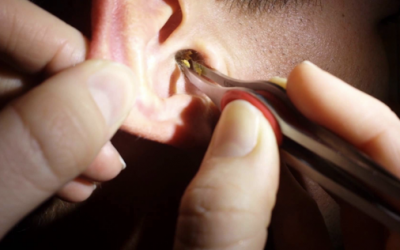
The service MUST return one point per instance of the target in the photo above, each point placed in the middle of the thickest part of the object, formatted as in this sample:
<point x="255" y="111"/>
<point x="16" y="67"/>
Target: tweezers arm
<point x="339" y="183"/>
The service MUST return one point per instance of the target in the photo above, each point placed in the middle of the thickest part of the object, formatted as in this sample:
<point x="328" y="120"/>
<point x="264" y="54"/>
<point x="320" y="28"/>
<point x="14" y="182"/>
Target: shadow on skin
<point x="137" y="210"/>
<point x="73" y="12"/>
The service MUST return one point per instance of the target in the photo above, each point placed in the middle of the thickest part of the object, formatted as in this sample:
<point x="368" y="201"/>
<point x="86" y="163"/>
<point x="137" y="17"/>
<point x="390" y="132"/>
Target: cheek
<point x="346" y="45"/>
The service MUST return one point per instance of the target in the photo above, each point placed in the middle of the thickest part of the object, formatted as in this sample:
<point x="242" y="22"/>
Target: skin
<point x="139" y="35"/>
<point x="359" y="58"/>
<point x="160" y="29"/>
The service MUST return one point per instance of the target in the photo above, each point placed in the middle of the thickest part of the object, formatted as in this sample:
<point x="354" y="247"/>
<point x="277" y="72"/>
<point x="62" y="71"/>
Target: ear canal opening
<point x="173" y="22"/>
<point x="189" y="55"/>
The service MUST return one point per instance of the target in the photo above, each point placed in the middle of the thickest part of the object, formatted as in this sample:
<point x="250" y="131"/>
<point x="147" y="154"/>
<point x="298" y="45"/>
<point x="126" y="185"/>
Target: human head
<point x="246" y="39"/>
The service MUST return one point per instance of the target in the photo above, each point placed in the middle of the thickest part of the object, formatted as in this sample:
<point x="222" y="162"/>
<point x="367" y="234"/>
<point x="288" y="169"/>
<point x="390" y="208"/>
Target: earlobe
<point x="146" y="35"/>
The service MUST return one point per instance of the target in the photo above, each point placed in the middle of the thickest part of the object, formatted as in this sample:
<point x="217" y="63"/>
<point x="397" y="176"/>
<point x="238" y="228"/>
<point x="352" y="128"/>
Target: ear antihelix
<point x="173" y="22"/>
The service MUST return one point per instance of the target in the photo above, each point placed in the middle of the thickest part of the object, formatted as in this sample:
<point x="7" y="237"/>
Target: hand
<point x="34" y="43"/>
<point x="52" y="133"/>
<point x="363" y="121"/>
<point x="228" y="205"/>
<point x="229" y="202"/>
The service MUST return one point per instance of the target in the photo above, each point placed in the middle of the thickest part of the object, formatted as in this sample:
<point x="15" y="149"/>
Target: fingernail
<point x="123" y="163"/>
<point x="112" y="89"/>
<point x="237" y="130"/>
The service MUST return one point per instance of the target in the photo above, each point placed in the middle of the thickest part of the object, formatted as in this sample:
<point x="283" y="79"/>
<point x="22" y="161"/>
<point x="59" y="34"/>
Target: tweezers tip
<point x="190" y="59"/>
<point x="183" y="58"/>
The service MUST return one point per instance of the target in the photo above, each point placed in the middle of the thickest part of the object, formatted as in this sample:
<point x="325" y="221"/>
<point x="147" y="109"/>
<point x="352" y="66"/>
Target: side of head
<point x="244" y="39"/>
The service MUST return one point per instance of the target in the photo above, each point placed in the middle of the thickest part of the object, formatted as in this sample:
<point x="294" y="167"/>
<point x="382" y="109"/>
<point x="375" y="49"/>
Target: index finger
<point x="360" y="119"/>
<point x="32" y="40"/>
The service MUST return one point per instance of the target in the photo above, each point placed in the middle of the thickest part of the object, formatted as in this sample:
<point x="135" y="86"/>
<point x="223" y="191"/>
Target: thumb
<point x="50" y="135"/>
<point x="229" y="202"/>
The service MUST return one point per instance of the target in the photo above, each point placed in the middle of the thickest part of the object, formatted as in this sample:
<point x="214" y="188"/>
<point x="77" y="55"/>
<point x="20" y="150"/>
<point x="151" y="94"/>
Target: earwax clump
<point x="198" y="68"/>
<point x="186" y="63"/>
<point x="185" y="57"/>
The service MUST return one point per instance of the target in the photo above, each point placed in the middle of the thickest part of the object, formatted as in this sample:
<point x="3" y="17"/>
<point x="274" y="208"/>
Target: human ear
<point x="146" y="35"/>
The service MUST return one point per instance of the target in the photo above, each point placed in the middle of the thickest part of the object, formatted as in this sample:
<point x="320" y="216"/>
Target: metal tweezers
<point x="337" y="166"/>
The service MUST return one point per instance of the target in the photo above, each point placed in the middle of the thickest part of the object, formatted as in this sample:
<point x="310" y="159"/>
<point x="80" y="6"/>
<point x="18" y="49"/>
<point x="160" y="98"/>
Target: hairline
<point x="263" y="6"/>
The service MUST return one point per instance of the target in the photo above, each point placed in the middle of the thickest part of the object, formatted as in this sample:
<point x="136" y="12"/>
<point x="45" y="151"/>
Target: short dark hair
<point x="257" y="6"/>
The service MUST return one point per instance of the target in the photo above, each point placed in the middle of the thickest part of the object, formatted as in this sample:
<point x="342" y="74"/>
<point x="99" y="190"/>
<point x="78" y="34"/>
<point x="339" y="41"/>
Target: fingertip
<point x="77" y="190"/>
<point x="111" y="86"/>
<point x="237" y="130"/>
<point x="314" y="91"/>
<point x="309" y="78"/>
<point x="106" y="166"/>
<point x="299" y="78"/>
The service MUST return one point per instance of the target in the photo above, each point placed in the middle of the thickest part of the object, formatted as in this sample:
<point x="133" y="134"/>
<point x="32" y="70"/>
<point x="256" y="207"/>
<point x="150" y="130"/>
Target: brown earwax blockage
<point x="198" y="68"/>
<point x="186" y="57"/>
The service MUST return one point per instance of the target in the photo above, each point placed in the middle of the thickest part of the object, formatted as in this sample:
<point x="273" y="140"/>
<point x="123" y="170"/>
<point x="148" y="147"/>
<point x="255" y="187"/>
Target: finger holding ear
<point x="54" y="132"/>
<point x="32" y="40"/>
<point x="229" y="202"/>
